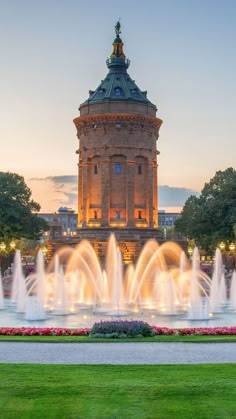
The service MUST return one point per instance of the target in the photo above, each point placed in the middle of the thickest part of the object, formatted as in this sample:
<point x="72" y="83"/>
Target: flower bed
<point x="108" y="327"/>
<point x="43" y="331"/>
<point x="203" y="331"/>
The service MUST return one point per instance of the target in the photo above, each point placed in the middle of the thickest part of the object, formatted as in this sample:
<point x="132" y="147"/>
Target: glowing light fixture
<point x="44" y="250"/>
<point x="3" y="247"/>
<point x="222" y="245"/>
<point x="232" y="247"/>
<point x="12" y="245"/>
<point x="190" y="251"/>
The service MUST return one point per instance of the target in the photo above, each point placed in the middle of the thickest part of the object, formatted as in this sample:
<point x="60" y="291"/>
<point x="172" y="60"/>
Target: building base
<point x="129" y="240"/>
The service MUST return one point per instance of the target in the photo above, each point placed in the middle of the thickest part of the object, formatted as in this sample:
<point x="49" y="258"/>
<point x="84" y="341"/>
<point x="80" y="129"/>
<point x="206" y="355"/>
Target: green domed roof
<point x="117" y="85"/>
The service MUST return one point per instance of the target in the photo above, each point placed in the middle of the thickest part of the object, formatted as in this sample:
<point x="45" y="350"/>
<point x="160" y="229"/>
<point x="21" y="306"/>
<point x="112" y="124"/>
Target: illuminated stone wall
<point x="117" y="170"/>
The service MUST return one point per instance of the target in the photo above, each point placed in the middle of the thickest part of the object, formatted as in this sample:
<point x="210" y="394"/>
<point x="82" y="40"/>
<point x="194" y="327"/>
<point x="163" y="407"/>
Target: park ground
<point x="109" y="391"/>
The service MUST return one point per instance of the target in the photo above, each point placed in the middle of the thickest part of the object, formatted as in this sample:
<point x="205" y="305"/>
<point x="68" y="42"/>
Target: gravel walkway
<point x="117" y="353"/>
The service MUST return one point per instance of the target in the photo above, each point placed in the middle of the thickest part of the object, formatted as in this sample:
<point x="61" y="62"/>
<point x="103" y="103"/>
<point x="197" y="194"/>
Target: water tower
<point x="117" y="160"/>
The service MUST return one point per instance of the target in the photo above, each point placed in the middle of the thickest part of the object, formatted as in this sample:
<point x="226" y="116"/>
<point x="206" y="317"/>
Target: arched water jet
<point x="117" y="289"/>
<point x="131" y="284"/>
<point x="146" y="253"/>
<point x="165" y="294"/>
<point x="35" y="299"/>
<point x="232" y="292"/>
<point x="61" y="257"/>
<point x="60" y="302"/>
<point x="1" y="293"/>
<point x="18" y="279"/>
<point x="165" y="285"/>
<point x="215" y="299"/>
<point x="198" y="305"/>
<point x="222" y="290"/>
<point x="157" y="261"/>
<point x="85" y="259"/>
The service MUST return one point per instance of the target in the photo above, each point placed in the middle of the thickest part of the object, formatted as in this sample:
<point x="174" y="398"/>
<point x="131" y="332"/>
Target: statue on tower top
<point x="118" y="44"/>
<point x="117" y="28"/>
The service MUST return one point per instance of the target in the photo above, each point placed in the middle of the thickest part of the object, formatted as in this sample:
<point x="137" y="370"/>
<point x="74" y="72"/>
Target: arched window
<point x="118" y="214"/>
<point x="140" y="215"/>
<point x="134" y="91"/>
<point x="118" y="168"/>
<point x="95" y="169"/>
<point x="139" y="169"/>
<point x="117" y="91"/>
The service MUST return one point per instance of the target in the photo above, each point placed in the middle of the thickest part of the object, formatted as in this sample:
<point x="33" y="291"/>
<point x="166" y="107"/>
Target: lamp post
<point x="45" y="252"/>
<point x="2" y="250"/>
<point x="190" y="252"/>
<point x="12" y="245"/>
<point x="3" y="247"/>
<point x="222" y="246"/>
<point x="232" y="247"/>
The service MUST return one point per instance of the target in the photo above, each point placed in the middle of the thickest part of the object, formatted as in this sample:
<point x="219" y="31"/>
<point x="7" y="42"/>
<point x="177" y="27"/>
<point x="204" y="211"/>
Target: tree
<point x="211" y="218"/>
<point x="18" y="212"/>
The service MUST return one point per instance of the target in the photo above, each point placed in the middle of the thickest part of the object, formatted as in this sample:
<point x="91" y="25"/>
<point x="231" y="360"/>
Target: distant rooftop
<point x="65" y="210"/>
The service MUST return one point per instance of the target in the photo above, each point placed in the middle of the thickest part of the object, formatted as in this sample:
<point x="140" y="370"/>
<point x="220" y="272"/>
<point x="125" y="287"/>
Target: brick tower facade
<point x="117" y="189"/>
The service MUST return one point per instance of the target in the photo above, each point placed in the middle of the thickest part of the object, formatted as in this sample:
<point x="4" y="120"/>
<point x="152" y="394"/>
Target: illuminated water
<point x="162" y="288"/>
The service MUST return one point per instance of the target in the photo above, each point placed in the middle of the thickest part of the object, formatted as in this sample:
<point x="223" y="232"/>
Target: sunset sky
<point x="54" y="51"/>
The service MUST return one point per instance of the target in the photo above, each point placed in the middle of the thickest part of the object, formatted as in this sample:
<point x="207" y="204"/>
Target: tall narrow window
<point x="117" y="214"/>
<point x="96" y="169"/>
<point x="118" y="168"/>
<point x="117" y="91"/>
<point x="140" y="215"/>
<point x="95" y="215"/>
<point x="139" y="169"/>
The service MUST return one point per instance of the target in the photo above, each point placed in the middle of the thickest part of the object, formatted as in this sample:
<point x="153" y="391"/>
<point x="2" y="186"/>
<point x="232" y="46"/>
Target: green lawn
<point x="106" y="391"/>
<point x="89" y="339"/>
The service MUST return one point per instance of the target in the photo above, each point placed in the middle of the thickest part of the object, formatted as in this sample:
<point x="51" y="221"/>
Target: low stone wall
<point x="130" y="241"/>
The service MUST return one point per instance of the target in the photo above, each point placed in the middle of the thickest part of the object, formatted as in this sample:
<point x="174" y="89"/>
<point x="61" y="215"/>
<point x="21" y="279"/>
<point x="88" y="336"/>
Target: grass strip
<point x="80" y="339"/>
<point x="107" y="391"/>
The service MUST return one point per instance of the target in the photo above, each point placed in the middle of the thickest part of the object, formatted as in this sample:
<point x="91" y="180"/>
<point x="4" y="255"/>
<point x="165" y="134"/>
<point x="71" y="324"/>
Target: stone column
<point x="80" y="191"/>
<point x="85" y="193"/>
<point x="149" y="193"/>
<point x="105" y="176"/>
<point x="130" y="175"/>
<point x="155" y="203"/>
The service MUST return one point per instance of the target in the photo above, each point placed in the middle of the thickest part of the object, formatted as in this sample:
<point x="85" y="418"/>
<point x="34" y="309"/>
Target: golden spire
<point x="118" y="44"/>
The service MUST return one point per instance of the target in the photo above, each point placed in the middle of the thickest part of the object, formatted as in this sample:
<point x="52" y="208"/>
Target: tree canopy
<point x="18" y="212"/>
<point x="211" y="217"/>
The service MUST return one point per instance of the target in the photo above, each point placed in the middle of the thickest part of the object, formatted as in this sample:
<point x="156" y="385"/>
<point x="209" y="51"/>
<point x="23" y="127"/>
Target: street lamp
<point x="222" y="246"/>
<point x="232" y="247"/>
<point x="45" y="252"/>
<point x="3" y="246"/>
<point x="190" y="251"/>
<point x="12" y="245"/>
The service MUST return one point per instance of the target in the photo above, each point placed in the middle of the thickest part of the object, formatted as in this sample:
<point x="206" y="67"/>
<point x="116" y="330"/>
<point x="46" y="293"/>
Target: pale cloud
<point x="53" y="192"/>
<point x="170" y="196"/>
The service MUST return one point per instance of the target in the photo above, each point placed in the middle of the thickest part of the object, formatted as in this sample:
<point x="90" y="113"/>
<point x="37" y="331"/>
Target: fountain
<point x="35" y="284"/>
<point x="1" y="293"/>
<point x="162" y="284"/>
<point x="18" y="293"/>
<point x="232" y="292"/>
<point x="198" y="305"/>
<point x="217" y="291"/>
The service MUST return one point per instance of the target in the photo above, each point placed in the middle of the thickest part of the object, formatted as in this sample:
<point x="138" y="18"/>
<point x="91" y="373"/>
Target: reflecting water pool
<point x="84" y="318"/>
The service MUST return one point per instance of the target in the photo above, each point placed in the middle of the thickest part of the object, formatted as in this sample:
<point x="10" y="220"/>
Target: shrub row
<point x="122" y="329"/>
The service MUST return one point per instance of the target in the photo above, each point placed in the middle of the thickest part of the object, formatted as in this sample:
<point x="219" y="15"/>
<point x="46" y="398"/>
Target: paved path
<point x="117" y="353"/>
